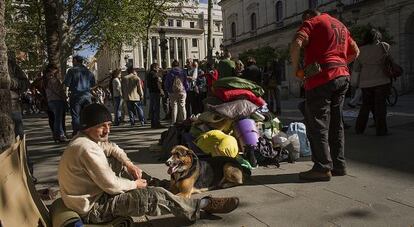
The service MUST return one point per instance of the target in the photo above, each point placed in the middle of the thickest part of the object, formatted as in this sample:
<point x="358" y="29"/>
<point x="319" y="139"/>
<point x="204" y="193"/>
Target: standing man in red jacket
<point x="328" y="48"/>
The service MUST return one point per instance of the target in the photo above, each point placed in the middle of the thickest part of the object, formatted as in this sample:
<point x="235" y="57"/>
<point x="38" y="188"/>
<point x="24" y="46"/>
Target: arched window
<point x="279" y="11"/>
<point x="313" y="4"/>
<point x="253" y="22"/>
<point x="233" y="30"/>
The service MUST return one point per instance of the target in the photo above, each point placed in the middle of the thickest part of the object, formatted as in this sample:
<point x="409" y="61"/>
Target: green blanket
<point x="237" y="82"/>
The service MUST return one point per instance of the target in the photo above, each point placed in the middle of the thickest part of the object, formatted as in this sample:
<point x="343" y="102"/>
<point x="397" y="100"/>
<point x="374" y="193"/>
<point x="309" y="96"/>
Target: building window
<point x="179" y="23"/>
<point x="170" y="23"/>
<point x="194" y="42"/>
<point x="192" y="24"/>
<point x="233" y="30"/>
<point x="217" y="27"/>
<point x="253" y="22"/>
<point x="214" y="43"/>
<point x="313" y="4"/>
<point x="162" y="23"/>
<point x="279" y="11"/>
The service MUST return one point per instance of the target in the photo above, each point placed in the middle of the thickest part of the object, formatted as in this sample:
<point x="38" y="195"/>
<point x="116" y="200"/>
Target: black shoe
<point x="338" y="172"/>
<point x="313" y="175"/>
<point x="158" y="126"/>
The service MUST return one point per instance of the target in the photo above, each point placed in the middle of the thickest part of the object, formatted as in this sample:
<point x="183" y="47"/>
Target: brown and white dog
<point x="191" y="175"/>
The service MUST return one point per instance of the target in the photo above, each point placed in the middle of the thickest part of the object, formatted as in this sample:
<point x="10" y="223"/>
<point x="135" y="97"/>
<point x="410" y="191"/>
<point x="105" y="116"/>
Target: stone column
<point x="159" y="59"/>
<point x="188" y="47"/>
<point x="200" y="56"/>
<point x="141" y="54"/>
<point x="185" y="56"/>
<point x="168" y="55"/>
<point x="175" y="48"/>
<point x="149" y="54"/>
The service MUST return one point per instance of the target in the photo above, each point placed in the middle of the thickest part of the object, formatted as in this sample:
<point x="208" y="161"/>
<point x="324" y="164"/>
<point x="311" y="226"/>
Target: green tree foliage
<point x="264" y="55"/>
<point x="81" y="22"/>
<point x="358" y="32"/>
<point x="26" y="32"/>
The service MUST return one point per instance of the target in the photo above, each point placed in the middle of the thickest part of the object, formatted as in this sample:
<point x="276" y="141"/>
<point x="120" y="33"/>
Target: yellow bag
<point x="217" y="143"/>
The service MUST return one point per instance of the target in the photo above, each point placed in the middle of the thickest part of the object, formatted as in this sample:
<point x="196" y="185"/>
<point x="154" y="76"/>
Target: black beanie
<point x="94" y="114"/>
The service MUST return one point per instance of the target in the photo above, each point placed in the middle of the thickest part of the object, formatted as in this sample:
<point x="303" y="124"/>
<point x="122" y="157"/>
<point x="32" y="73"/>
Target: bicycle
<point x="392" y="97"/>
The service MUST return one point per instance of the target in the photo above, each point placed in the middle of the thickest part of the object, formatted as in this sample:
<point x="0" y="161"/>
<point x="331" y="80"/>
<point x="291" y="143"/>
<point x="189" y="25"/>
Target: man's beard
<point x="103" y="138"/>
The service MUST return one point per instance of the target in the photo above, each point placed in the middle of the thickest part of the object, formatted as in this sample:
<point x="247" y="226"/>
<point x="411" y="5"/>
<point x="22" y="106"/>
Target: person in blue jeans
<point x="79" y="80"/>
<point x="133" y="94"/>
<point x="56" y="99"/>
<point x="155" y="90"/>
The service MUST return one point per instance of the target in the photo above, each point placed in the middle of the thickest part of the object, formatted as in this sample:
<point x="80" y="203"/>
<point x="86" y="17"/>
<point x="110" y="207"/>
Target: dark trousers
<point x="77" y="102"/>
<point x="374" y="100"/>
<point x="191" y="105"/>
<point x="154" y="108"/>
<point x="324" y="124"/>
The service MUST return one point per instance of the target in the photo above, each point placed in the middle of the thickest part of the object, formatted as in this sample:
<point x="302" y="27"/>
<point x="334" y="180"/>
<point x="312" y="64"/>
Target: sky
<point x="203" y="1"/>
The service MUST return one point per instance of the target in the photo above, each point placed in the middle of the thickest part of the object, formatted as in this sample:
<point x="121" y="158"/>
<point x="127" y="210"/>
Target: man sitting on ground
<point x="99" y="181"/>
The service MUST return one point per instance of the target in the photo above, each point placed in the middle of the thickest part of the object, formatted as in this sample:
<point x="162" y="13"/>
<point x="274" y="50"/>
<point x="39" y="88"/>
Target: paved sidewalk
<point x="379" y="190"/>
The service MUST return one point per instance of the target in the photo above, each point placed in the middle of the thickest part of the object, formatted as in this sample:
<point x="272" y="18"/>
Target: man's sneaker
<point x="221" y="205"/>
<point x="338" y="172"/>
<point x="313" y="175"/>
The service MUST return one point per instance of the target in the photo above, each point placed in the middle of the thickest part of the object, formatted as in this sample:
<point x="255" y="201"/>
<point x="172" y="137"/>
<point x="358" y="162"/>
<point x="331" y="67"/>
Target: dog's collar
<point x="190" y="171"/>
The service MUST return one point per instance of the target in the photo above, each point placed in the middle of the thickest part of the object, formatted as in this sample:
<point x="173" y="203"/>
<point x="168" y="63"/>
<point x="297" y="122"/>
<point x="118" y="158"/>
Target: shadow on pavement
<point x="274" y="179"/>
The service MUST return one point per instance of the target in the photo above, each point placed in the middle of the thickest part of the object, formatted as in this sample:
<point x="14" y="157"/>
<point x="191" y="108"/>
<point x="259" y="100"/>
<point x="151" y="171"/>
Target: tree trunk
<point x="6" y="124"/>
<point x="52" y="32"/>
<point x="209" y="32"/>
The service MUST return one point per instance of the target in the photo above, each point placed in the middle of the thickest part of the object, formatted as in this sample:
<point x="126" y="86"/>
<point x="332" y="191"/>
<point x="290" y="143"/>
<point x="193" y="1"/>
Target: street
<point x="378" y="190"/>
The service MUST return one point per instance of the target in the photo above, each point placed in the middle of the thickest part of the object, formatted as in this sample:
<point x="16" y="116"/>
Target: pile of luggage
<point x="236" y="123"/>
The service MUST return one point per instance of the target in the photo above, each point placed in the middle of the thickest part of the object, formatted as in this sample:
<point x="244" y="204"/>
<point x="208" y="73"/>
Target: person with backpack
<point x="177" y="87"/>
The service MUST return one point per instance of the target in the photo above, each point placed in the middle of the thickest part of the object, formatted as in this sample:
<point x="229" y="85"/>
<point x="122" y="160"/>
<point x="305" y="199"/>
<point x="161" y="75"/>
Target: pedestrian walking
<point x="56" y="100"/>
<point x="328" y="48"/>
<point x="79" y="81"/>
<point x="375" y="85"/>
<point x="155" y="89"/>
<point x="116" y="91"/>
<point x="177" y="87"/>
<point x="133" y="94"/>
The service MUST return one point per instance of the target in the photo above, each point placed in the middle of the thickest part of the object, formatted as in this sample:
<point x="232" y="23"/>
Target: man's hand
<point x="134" y="170"/>
<point x="141" y="183"/>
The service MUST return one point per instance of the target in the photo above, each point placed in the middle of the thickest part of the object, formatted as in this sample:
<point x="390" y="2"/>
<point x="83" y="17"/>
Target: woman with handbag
<point x="373" y="81"/>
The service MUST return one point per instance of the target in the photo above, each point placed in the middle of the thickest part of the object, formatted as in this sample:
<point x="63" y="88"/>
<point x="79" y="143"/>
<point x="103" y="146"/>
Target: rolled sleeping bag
<point x="246" y="132"/>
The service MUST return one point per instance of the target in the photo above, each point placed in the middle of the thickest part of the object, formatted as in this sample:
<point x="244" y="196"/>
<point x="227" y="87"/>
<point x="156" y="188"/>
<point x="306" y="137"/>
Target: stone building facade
<point x="186" y="34"/>
<point x="249" y="24"/>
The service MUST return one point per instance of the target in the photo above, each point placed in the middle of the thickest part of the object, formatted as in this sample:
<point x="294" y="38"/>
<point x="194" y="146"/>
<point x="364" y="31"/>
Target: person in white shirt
<point x="99" y="182"/>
